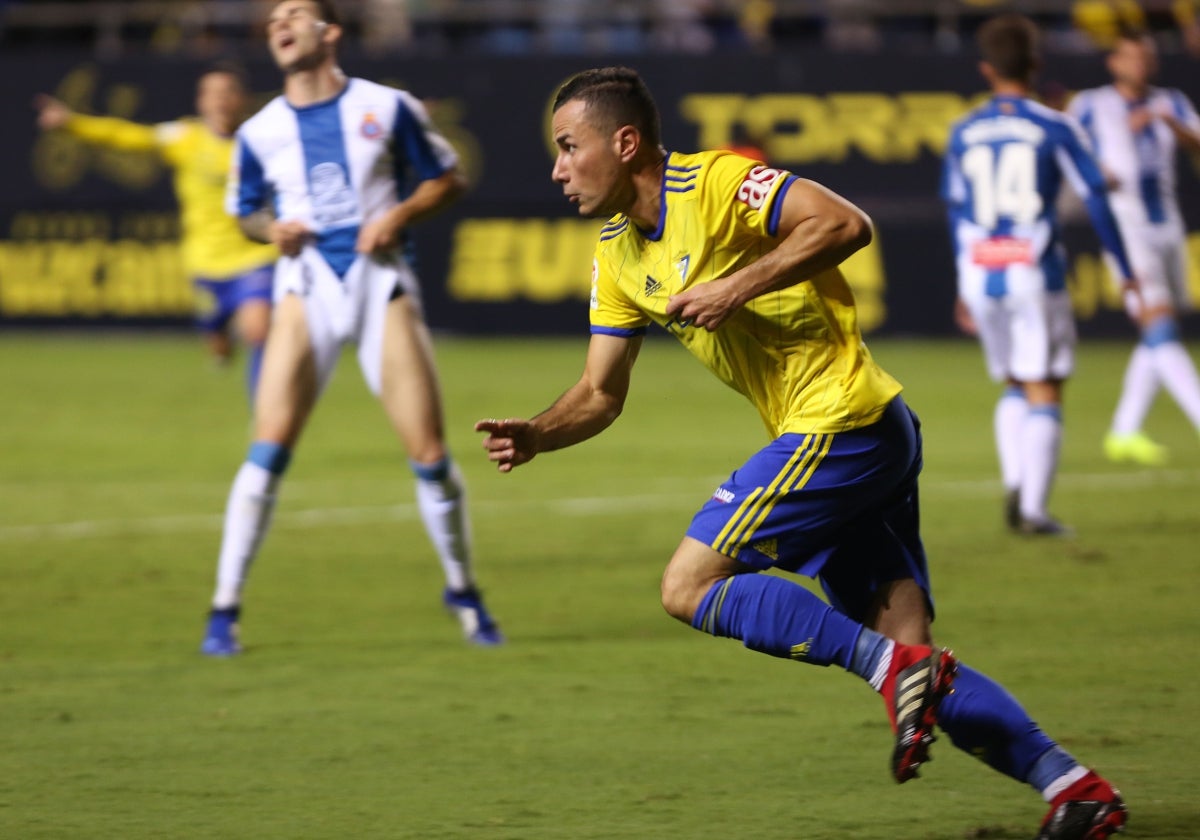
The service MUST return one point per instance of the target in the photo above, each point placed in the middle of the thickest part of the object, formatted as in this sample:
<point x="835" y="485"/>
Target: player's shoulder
<point x="267" y="113"/>
<point x="358" y="87"/>
<point x="1175" y="99"/>
<point x="1094" y="99"/>
<point x="178" y="131"/>
<point x="1058" y="126"/>
<point x="695" y="166"/>
<point x="615" y="228"/>
<point x="364" y="90"/>
<point x="701" y="172"/>
<point x="976" y="113"/>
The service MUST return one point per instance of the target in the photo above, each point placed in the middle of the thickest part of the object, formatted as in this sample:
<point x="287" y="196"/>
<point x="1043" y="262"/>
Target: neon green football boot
<point x="1134" y="448"/>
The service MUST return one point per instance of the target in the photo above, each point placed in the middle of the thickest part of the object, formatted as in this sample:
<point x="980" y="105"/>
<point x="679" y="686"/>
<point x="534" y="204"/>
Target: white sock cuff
<point x="881" y="670"/>
<point x="1063" y="782"/>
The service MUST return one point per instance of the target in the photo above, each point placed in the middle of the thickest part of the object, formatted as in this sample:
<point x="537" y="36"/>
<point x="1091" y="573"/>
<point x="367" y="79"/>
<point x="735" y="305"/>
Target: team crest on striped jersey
<point x="370" y="128"/>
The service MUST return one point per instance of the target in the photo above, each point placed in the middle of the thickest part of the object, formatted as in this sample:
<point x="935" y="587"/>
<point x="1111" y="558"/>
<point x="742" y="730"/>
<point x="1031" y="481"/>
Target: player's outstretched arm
<point x="586" y="409"/>
<point x="113" y="132"/>
<point x="818" y="228"/>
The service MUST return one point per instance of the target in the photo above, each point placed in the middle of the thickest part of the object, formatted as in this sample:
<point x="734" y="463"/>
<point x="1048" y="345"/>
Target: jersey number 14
<point x="1003" y="183"/>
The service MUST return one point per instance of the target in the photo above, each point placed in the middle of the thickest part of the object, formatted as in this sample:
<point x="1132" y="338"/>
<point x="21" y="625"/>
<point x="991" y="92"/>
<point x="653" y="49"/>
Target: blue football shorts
<point x="218" y="300"/>
<point x="842" y="508"/>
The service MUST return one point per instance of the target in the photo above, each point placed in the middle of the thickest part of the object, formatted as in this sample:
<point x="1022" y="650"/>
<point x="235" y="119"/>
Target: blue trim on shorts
<point x="619" y="332"/>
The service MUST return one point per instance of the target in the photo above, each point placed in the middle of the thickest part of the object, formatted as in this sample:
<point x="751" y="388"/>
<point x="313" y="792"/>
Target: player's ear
<point x="627" y="140"/>
<point x="331" y="33"/>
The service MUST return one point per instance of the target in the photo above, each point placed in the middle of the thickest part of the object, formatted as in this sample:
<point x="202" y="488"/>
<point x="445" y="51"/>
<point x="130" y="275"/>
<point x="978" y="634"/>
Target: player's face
<point x="1133" y="62"/>
<point x="220" y="101"/>
<point x="588" y="166"/>
<point x="297" y="36"/>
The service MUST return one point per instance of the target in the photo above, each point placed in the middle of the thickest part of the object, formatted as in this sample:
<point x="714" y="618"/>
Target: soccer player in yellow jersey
<point x="231" y="274"/>
<point x="739" y="261"/>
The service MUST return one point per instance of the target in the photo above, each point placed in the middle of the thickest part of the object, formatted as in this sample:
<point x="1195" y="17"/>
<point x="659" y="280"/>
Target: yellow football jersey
<point x="213" y="245"/>
<point x="797" y="353"/>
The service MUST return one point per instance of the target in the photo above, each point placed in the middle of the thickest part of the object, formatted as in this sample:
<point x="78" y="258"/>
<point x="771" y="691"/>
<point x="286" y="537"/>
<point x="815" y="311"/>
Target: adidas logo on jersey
<point x="769" y="547"/>
<point x="652" y="286"/>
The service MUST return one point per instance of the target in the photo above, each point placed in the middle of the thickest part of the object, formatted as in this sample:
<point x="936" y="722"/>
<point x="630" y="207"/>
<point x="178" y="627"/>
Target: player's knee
<point x="253" y="324"/>
<point x="255" y="335"/>
<point x="678" y="593"/>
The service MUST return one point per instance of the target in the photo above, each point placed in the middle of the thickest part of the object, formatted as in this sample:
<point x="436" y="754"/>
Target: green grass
<point x="358" y="712"/>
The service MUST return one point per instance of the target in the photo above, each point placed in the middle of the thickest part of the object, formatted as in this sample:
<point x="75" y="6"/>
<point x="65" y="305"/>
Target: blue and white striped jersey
<point x="1143" y="163"/>
<point x="1005" y="163"/>
<point x="337" y="164"/>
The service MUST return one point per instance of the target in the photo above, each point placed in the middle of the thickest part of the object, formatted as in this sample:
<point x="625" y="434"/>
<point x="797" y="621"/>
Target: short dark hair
<point x="1010" y="44"/>
<point x="329" y="11"/>
<point x="615" y="96"/>
<point x="327" y="8"/>
<point x="227" y="67"/>
<point x="1132" y="34"/>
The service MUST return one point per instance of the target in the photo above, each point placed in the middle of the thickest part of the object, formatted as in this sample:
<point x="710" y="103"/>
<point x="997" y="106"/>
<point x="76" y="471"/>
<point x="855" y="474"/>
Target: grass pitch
<point x="357" y="711"/>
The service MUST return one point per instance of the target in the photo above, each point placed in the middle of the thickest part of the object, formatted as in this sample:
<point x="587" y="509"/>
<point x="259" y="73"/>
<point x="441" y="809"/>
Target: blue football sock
<point x="868" y="653"/>
<point x="1052" y="766"/>
<point x="778" y="617"/>
<point x="983" y="719"/>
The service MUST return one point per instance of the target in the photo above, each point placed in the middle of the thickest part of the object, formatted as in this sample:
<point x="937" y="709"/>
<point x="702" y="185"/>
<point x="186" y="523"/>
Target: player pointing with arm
<point x="231" y="276"/>
<point x="739" y="262"/>
<point x="322" y="171"/>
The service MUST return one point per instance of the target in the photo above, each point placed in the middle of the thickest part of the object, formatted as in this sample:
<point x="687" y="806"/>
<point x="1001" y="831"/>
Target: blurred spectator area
<point x="199" y="27"/>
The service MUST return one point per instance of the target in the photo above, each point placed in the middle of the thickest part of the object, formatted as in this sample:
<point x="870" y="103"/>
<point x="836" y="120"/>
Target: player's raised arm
<point x="112" y="132"/>
<point x="819" y="230"/>
<point x="586" y="409"/>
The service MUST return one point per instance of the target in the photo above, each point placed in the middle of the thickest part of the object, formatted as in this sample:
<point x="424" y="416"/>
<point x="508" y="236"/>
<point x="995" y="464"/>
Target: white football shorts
<point x="1158" y="257"/>
<point x="346" y="310"/>
<point x="1028" y="334"/>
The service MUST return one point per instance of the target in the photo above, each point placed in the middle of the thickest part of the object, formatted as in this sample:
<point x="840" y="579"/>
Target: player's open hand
<point x="509" y="443"/>
<point x="706" y="306"/>
<point x="963" y="318"/>
<point x="52" y="113"/>
<point x="1139" y="118"/>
